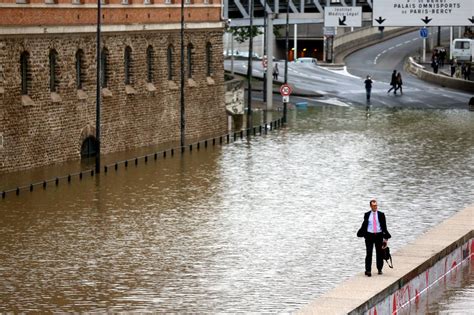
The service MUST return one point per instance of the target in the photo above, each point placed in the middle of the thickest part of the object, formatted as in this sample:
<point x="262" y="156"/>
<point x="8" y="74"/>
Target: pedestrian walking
<point x="435" y="65"/>
<point x="275" y="72"/>
<point x="393" y="82"/>
<point x="399" y="83"/>
<point x="453" y="68"/>
<point x="467" y="72"/>
<point x="374" y="230"/>
<point x="463" y="70"/>
<point x="368" y="86"/>
<point x="442" y="57"/>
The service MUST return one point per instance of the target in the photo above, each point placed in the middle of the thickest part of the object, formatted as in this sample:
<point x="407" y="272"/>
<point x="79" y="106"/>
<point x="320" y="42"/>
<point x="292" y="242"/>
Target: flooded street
<point x="259" y="225"/>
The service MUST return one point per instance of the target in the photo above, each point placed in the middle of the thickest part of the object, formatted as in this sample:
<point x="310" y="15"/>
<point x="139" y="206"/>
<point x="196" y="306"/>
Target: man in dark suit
<point x="374" y="230"/>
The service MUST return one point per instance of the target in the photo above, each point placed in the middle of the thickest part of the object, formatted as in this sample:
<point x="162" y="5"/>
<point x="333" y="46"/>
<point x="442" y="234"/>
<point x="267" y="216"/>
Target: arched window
<point x="25" y="72"/>
<point x="150" y="54"/>
<point x="53" y="70"/>
<point x="104" y="67"/>
<point x="190" y="60"/>
<point x="80" y="74"/>
<point x="128" y="64"/>
<point x="170" y="62"/>
<point x="209" y="59"/>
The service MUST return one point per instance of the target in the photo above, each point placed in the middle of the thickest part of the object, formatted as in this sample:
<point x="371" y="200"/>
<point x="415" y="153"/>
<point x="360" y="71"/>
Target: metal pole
<point x="249" y="69"/>
<point x="232" y="53"/>
<point x="450" y="43"/>
<point x="265" y="54"/>
<point x="182" y="76"/>
<point x="295" y="42"/>
<point x="285" y="105"/>
<point x="424" y="49"/>
<point x="98" y="90"/>
<point x="439" y="36"/>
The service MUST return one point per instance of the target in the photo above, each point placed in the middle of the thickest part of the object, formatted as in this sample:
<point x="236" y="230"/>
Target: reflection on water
<point x="256" y="226"/>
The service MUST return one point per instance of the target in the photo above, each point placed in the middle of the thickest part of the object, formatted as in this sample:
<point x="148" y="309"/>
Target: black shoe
<point x="368" y="274"/>
<point x="380" y="272"/>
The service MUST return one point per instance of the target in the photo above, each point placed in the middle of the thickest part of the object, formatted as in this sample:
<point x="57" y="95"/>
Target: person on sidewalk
<point x="399" y="83"/>
<point x="368" y="87"/>
<point x="467" y="72"/>
<point x="374" y="230"/>
<point x="393" y="82"/>
<point x="453" y="68"/>
<point x="276" y="72"/>
<point x="435" y="65"/>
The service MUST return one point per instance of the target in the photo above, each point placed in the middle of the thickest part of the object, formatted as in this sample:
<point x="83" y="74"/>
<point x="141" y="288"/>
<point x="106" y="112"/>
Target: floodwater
<point x="259" y="225"/>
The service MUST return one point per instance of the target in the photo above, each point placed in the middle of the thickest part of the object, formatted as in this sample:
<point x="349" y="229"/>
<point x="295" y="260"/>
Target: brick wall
<point x="52" y="130"/>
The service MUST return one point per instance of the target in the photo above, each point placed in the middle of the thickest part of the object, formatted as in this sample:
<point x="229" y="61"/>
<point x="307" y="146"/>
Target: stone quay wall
<point x="45" y="127"/>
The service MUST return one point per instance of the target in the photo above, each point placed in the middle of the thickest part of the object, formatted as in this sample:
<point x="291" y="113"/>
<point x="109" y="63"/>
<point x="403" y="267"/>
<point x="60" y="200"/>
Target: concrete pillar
<point x="270" y="62"/>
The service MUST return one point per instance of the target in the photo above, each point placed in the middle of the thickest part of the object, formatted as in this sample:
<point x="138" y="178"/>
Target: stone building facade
<point x="48" y="79"/>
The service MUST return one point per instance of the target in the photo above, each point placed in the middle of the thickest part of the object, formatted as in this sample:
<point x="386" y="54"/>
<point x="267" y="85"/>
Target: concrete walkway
<point x="360" y="292"/>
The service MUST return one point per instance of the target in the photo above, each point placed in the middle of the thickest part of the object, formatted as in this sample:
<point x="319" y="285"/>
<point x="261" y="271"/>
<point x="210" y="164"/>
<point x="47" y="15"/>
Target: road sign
<point x="343" y="16"/>
<point x="329" y="31"/>
<point x="264" y="62"/>
<point x="423" y="13"/>
<point x="286" y="99"/>
<point x="423" y="32"/>
<point x="285" y="90"/>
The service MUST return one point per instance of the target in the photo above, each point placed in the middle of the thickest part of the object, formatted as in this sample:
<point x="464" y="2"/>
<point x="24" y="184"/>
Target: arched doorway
<point x="88" y="148"/>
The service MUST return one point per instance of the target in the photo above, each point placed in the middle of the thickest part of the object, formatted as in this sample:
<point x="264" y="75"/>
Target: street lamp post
<point x="249" y="69"/>
<point x="285" y="105"/>
<point x="97" y="104"/>
<point x="182" y="121"/>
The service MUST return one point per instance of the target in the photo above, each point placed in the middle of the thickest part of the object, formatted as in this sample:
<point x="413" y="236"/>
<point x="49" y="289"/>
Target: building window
<point x="51" y="1"/>
<point x="170" y="60"/>
<point x="190" y="60"/>
<point x="80" y="73"/>
<point x="149" y="64"/>
<point x="128" y="64"/>
<point x="209" y="59"/>
<point x="104" y="67"/>
<point x="169" y="1"/>
<point x="53" y="70"/>
<point x="25" y="72"/>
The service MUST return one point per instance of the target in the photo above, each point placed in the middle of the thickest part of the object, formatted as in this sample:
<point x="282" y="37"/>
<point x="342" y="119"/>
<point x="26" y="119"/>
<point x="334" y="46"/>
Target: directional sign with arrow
<point x="426" y="20"/>
<point x="380" y="20"/>
<point x="341" y="22"/>
<point x="422" y="13"/>
<point x="343" y="16"/>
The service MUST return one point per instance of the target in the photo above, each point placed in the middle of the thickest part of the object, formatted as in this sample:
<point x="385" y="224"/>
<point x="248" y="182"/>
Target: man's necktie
<point x="374" y="222"/>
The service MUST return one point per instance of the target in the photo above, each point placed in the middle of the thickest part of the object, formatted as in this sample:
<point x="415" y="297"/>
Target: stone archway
<point x="88" y="142"/>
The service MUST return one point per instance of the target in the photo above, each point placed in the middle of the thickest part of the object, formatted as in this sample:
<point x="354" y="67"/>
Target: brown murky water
<point x="260" y="225"/>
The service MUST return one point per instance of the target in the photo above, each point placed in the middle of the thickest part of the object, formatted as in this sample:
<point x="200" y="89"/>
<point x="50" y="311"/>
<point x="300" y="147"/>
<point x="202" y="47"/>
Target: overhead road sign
<point x="423" y="13"/>
<point x="343" y="16"/>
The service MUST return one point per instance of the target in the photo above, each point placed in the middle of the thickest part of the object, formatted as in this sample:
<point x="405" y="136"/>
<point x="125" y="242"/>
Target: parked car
<point x="307" y="60"/>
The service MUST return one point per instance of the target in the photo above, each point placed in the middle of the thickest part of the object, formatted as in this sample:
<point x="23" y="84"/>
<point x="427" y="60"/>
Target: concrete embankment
<point x="438" y="78"/>
<point x="417" y="266"/>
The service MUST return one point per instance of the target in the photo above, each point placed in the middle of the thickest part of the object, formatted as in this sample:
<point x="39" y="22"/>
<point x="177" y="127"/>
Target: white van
<point x="463" y="49"/>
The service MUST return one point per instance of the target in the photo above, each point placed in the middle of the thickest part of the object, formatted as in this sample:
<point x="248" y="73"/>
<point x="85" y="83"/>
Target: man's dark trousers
<point x="370" y="240"/>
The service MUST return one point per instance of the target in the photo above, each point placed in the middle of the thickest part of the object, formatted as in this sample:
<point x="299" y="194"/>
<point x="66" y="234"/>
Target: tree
<point x="243" y="33"/>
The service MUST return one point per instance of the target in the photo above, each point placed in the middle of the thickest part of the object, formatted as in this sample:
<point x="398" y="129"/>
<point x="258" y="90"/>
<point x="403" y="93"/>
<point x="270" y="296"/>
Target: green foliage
<point x="241" y="34"/>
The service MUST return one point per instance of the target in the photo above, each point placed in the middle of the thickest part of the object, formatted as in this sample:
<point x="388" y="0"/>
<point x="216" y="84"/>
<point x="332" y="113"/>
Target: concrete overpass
<point x="301" y="12"/>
